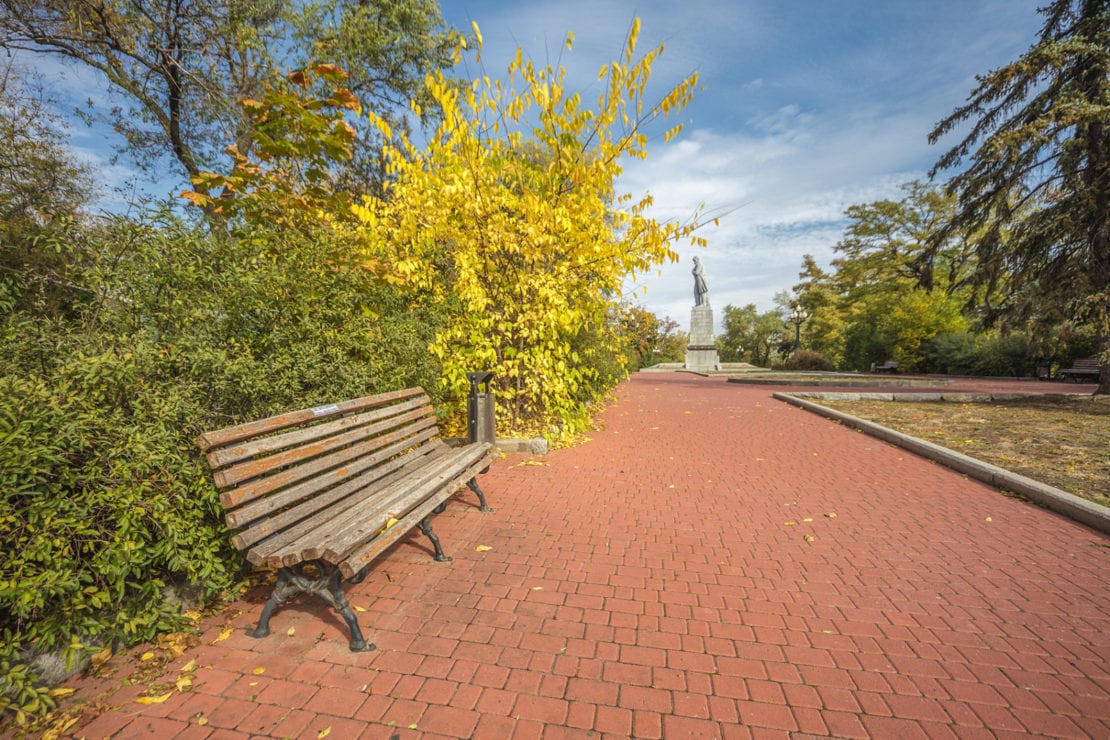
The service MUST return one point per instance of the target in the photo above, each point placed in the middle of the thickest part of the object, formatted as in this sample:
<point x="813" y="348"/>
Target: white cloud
<point x="808" y="107"/>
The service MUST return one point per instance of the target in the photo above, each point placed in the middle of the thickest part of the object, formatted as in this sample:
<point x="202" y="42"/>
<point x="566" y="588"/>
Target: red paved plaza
<point x="712" y="563"/>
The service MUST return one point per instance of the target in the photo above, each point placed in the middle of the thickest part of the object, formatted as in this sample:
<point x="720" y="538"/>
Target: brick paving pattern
<point x="712" y="563"/>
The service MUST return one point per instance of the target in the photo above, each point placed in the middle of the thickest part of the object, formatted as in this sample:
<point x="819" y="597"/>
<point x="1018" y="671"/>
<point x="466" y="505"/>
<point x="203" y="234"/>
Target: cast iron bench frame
<point x="890" y="366"/>
<point x="1081" y="368"/>
<point x="319" y="493"/>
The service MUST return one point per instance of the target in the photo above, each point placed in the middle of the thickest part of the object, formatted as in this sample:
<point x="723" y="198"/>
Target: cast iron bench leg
<point x="282" y="591"/>
<point x="358" y="577"/>
<point x="473" y="485"/>
<point x="339" y="602"/>
<point x="426" y="528"/>
<point x="295" y="580"/>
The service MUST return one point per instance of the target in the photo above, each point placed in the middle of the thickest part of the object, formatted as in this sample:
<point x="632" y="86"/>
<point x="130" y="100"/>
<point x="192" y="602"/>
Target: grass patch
<point x="1063" y="441"/>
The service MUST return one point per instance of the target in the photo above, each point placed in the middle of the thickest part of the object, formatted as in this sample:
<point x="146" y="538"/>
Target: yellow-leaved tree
<point x="511" y="213"/>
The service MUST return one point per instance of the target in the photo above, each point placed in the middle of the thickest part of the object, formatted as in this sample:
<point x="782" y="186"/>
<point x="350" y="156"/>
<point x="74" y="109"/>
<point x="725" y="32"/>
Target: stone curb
<point x="1062" y="502"/>
<point x="536" y="446"/>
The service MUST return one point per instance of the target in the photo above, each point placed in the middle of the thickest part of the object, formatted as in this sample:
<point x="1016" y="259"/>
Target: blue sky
<point x="808" y="106"/>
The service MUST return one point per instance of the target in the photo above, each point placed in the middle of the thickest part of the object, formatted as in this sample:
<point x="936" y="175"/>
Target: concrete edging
<point x="1062" y="502"/>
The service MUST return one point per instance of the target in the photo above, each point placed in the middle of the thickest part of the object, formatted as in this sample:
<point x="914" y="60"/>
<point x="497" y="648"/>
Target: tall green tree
<point x="180" y="67"/>
<point x="750" y="334"/>
<point x="894" y="240"/>
<point x="42" y="189"/>
<point x="650" y="339"/>
<point x="1040" y="141"/>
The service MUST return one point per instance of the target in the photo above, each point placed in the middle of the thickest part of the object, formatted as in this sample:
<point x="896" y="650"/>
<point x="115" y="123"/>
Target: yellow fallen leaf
<point x="790" y="524"/>
<point x="55" y="732"/>
<point x="224" y="634"/>
<point x="534" y="463"/>
<point x="359" y="608"/>
<point x="146" y="656"/>
<point x="483" y="548"/>
<point x="192" y="615"/>
<point x="989" y="519"/>
<point x="202" y="721"/>
<point x="154" y="699"/>
<point x="189" y="667"/>
<point x="810" y="538"/>
<point x="412" y="726"/>
<point x="831" y="515"/>
<point x="102" y="657"/>
<point x="808" y="519"/>
<point x="258" y="671"/>
<point x="537" y="588"/>
<point x="184" y="682"/>
<point x="323" y="733"/>
<point x="61" y="692"/>
<point x="291" y="631"/>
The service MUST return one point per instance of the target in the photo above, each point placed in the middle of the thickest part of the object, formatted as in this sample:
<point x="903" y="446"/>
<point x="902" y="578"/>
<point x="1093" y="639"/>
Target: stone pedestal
<point x="701" y="353"/>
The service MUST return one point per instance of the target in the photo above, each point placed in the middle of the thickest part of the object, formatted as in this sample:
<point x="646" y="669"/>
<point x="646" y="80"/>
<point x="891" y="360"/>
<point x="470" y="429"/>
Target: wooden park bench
<point x="318" y="494"/>
<point x="890" y="366"/>
<point x="1084" y="367"/>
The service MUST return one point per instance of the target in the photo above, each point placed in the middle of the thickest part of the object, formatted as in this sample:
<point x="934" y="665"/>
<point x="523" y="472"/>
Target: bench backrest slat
<point x="315" y="447"/>
<point x="363" y="471"/>
<point x="278" y="475"/>
<point x="256" y="487"/>
<point x="225" y="456"/>
<point x="251" y="429"/>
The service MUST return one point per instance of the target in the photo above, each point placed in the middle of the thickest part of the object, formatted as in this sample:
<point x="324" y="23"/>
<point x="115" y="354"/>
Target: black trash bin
<point x="480" y="409"/>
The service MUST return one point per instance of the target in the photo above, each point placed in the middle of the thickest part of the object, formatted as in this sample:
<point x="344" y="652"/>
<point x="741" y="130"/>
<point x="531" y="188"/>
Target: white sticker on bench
<point x="325" y="410"/>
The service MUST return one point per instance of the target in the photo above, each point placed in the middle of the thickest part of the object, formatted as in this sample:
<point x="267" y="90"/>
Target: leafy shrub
<point x="981" y="354"/>
<point x="952" y="354"/>
<point x="805" y="359"/>
<point x="104" y="498"/>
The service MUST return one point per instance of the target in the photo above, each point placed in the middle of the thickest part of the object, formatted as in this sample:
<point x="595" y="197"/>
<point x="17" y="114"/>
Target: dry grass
<point x="1063" y="441"/>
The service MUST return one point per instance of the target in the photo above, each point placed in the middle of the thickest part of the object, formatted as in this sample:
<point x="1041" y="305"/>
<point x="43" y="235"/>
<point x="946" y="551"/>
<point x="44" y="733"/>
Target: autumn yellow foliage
<point x="511" y="213"/>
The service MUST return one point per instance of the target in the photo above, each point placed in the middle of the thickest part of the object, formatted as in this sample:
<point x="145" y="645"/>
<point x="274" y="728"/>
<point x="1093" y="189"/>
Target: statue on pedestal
<point x="701" y="352"/>
<point x="701" y="289"/>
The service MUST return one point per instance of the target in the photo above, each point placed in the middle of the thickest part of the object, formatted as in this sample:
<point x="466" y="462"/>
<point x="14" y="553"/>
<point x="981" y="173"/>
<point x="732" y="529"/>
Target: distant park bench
<point x="1084" y="367"/>
<point x="890" y="366"/>
<point x="318" y="494"/>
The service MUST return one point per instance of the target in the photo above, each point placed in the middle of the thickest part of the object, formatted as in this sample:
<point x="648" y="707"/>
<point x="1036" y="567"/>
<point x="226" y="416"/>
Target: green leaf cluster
<point x="169" y="330"/>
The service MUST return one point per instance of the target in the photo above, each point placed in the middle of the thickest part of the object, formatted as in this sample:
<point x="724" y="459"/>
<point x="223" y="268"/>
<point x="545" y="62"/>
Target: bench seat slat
<point x="266" y="550"/>
<point x="233" y="434"/>
<point x="366" y="521"/>
<point x="359" y="516"/>
<point x="366" y="553"/>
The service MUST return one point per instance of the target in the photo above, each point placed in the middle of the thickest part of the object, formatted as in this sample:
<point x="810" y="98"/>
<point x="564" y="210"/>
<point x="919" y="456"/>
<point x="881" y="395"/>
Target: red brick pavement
<point x="713" y="563"/>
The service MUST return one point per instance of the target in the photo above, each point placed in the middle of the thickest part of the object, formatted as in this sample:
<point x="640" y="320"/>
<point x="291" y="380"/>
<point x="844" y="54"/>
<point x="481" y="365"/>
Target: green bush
<point x="169" y="331"/>
<point x="805" y="359"/>
<point x="988" y="354"/>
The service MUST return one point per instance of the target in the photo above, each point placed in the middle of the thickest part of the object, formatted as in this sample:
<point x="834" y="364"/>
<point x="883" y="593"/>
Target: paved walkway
<point x="713" y="563"/>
